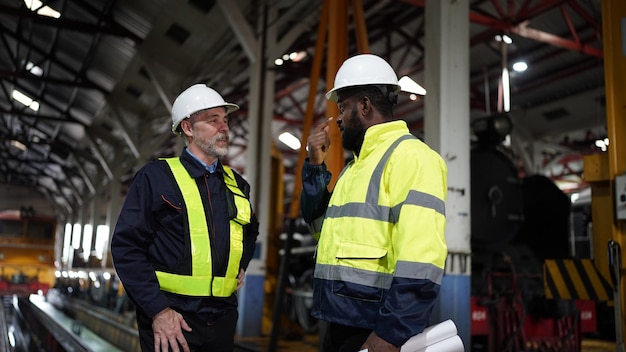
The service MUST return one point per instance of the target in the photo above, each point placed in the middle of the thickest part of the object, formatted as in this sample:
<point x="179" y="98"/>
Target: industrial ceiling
<point x="102" y="76"/>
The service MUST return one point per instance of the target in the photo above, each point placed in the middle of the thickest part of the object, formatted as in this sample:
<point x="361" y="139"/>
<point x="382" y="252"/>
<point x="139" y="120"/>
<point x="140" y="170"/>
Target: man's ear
<point x="185" y="127"/>
<point x="366" y="105"/>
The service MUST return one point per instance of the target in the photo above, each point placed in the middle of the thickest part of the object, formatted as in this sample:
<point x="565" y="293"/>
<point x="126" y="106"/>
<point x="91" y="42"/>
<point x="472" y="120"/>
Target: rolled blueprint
<point x="451" y="344"/>
<point x="440" y="337"/>
<point x="430" y="336"/>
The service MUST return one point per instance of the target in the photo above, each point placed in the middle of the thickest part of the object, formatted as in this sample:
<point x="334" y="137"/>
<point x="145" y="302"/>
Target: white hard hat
<point x="195" y="98"/>
<point x="361" y="70"/>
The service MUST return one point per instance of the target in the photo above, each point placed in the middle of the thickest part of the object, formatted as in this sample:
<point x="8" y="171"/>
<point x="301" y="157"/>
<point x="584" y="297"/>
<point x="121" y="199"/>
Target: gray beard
<point x="209" y="146"/>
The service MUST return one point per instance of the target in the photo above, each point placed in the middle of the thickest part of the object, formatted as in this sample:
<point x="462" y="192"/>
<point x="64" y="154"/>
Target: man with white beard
<point x="186" y="234"/>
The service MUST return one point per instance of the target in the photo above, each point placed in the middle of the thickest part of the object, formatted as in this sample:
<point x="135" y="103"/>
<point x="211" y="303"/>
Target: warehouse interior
<point x="87" y="91"/>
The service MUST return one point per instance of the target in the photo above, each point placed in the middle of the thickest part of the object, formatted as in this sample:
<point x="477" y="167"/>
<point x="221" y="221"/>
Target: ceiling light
<point x="290" y="140"/>
<point x="300" y="55"/>
<point x="36" y="5"/>
<point x="26" y="100"/>
<point x="602" y="144"/>
<point x="278" y="62"/>
<point x="503" y="38"/>
<point x="19" y="145"/>
<point x="34" y="69"/>
<point x="410" y="86"/>
<point x="520" y="66"/>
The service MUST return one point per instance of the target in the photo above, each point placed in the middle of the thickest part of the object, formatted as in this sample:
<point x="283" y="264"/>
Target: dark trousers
<point x="341" y="338"/>
<point x="219" y="336"/>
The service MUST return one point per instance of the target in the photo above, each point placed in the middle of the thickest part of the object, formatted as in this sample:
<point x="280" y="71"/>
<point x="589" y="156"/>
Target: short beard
<point x="209" y="146"/>
<point x="353" y="134"/>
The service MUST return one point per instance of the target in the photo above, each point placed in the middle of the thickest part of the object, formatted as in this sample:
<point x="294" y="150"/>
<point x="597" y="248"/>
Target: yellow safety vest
<point x="380" y="224"/>
<point x="201" y="282"/>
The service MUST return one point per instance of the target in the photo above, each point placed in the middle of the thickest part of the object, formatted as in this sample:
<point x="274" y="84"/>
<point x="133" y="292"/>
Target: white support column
<point x="260" y="100"/>
<point x="447" y="130"/>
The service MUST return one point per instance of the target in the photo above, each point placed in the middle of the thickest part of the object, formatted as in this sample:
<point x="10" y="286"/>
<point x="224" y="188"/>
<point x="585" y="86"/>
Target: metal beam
<point x="101" y="160"/>
<point x="103" y="27"/>
<point x="62" y="82"/>
<point x="147" y="63"/>
<point x="123" y="128"/>
<point x="83" y="174"/>
<point x="240" y="27"/>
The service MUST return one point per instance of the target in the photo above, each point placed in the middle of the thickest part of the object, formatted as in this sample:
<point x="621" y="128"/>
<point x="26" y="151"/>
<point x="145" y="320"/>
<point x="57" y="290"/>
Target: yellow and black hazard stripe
<point x="575" y="279"/>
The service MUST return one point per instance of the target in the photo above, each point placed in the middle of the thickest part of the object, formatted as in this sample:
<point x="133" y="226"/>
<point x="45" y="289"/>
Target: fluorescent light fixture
<point x="19" y="145"/>
<point x="520" y="66"/>
<point x="76" y="236"/>
<point x="506" y="91"/>
<point x="36" y="5"/>
<point x="34" y="69"/>
<point x="25" y="99"/>
<point x="410" y="86"/>
<point x="102" y="238"/>
<point x="290" y="140"/>
<point x="67" y="237"/>
<point x="87" y="235"/>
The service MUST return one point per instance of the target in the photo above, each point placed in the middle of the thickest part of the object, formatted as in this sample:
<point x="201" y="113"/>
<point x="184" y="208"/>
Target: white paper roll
<point x="440" y="337"/>
<point x="430" y="336"/>
<point x="451" y="344"/>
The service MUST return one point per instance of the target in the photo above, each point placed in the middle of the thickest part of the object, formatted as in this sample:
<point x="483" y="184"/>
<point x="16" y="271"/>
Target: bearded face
<point x="351" y="127"/>
<point x="216" y="145"/>
<point x="352" y="132"/>
<point x="208" y="131"/>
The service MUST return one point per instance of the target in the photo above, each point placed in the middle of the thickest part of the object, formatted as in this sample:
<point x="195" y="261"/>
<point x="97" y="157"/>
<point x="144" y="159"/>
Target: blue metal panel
<point x="251" y="297"/>
<point x="454" y="304"/>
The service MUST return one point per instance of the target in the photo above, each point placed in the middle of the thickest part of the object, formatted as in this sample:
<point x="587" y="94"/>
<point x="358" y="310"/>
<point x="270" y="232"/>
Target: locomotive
<point x="518" y="223"/>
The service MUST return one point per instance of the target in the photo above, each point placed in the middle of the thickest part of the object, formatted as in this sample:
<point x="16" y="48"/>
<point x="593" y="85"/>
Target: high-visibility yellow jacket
<point x="201" y="282"/>
<point x="381" y="251"/>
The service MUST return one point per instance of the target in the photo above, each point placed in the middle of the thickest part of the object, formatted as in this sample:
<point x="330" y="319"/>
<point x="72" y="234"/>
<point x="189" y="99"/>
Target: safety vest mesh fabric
<point x="354" y="240"/>
<point x="201" y="282"/>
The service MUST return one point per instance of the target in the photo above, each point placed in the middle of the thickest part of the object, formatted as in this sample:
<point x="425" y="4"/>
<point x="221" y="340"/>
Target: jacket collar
<point x="195" y="168"/>
<point x="376" y="135"/>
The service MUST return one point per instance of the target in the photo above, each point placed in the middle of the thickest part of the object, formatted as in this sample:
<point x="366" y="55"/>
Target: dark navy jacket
<point x="152" y="232"/>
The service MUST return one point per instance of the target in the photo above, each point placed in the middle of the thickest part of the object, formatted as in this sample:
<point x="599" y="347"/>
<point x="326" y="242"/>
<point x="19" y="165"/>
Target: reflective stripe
<point x="372" y="210"/>
<point x="404" y="269"/>
<point x="225" y="286"/>
<point x="373" y="190"/>
<point x="201" y="281"/>
<point x="420" y="271"/>
<point x="360" y="210"/>
<point x="420" y="199"/>
<point x="353" y="275"/>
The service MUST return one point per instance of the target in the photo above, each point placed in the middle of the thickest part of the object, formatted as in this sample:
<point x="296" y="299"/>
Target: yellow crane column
<point x="602" y="170"/>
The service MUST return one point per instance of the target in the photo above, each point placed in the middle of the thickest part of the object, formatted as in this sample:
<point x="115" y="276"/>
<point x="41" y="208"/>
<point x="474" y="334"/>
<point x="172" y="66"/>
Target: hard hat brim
<point x="230" y="108"/>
